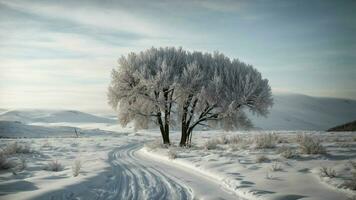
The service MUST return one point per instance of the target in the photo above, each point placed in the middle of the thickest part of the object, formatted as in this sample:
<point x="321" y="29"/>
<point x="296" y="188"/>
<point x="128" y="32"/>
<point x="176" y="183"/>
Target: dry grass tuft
<point x="310" y="145"/>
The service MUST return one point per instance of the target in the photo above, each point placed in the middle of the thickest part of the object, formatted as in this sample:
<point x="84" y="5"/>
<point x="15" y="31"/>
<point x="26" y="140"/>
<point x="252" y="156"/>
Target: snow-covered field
<point x="270" y="165"/>
<point x="109" y="162"/>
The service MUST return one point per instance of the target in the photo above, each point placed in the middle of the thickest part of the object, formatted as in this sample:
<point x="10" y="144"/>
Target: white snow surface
<point x="236" y="167"/>
<point x="120" y="163"/>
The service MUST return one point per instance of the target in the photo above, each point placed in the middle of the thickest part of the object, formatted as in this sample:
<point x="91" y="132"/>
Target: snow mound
<point x="301" y="112"/>
<point x="50" y="116"/>
<point x="15" y="129"/>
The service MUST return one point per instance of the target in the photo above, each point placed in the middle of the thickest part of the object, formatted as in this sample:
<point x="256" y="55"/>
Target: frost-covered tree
<point x="143" y="86"/>
<point x="200" y="87"/>
<point x="218" y="89"/>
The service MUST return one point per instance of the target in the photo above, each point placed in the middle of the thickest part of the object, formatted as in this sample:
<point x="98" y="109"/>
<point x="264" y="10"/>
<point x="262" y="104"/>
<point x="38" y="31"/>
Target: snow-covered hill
<point x="51" y="116"/>
<point x="15" y="129"/>
<point x="290" y="112"/>
<point x="301" y="112"/>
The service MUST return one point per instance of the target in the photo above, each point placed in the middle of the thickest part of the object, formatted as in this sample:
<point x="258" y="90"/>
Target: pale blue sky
<point x="58" y="54"/>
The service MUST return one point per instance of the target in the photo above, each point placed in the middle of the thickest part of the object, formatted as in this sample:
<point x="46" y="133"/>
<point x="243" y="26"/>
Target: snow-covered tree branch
<point x="202" y="87"/>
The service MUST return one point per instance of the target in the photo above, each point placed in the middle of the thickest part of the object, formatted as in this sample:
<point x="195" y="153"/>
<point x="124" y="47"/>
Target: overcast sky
<point x="59" y="54"/>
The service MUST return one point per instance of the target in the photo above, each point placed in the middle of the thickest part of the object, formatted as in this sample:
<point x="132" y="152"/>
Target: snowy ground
<point x="265" y="173"/>
<point x="111" y="169"/>
<point x="121" y="163"/>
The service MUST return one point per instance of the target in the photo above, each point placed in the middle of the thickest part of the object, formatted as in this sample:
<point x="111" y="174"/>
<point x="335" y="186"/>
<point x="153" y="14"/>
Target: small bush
<point x="54" y="166"/>
<point x="310" y="145"/>
<point x="77" y="165"/>
<point x="222" y="140"/>
<point x="265" y="141"/>
<point x="15" y="147"/>
<point x="155" y="145"/>
<point x="276" y="167"/>
<point x="262" y="159"/>
<point x="4" y="162"/>
<point x="172" y="154"/>
<point x="327" y="172"/>
<point x="287" y="152"/>
<point x="235" y="139"/>
<point x="211" y="144"/>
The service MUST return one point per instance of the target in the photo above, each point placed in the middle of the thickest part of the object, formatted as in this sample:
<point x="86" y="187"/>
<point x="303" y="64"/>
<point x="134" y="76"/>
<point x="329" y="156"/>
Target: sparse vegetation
<point x="287" y="152"/>
<point x="77" y="165"/>
<point x="211" y="144"/>
<point x="54" y="166"/>
<point x="233" y="142"/>
<point x="310" y="145"/>
<point x="4" y="162"/>
<point x="327" y="172"/>
<point x="223" y="140"/>
<point x="262" y="159"/>
<point x="276" y="167"/>
<point x="154" y="145"/>
<point x="172" y="154"/>
<point x="16" y="148"/>
<point x="265" y="141"/>
<point x="235" y="139"/>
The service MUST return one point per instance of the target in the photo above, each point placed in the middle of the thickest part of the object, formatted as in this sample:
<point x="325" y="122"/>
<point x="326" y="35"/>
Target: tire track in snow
<point x="132" y="179"/>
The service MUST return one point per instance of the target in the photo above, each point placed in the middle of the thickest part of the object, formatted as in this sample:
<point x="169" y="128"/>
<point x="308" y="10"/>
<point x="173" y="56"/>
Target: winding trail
<point x="137" y="177"/>
<point x="134" y="179"/>
<point x="133" y="176"/>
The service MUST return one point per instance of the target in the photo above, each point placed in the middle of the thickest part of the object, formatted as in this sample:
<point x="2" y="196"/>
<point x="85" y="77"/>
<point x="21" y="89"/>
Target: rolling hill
<point x="52" y="116"/>
<point x="301" y="112"/>
<point x="15" y="129"/>
<point x="351" y="126"/>
<point x="290" y="112"/>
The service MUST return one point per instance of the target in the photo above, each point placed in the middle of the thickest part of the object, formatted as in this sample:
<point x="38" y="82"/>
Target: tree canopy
<point x="162" y="84"/>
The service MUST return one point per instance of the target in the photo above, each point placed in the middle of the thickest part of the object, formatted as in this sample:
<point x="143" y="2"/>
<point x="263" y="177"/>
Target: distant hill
<point x="290" y="112"/>
<point x="52" y="116"/>
<point x="13" y="129"/>
<point x="351" y="126"/>
<point x="301" y="112"/>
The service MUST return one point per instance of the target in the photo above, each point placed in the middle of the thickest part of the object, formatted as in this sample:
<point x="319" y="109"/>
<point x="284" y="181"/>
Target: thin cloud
<point x="112" y="19"/>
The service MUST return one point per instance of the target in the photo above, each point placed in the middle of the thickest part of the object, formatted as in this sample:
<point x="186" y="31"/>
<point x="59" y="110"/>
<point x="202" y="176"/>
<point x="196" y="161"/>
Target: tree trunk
<point x="166" y="114"/>
<point x="184" y="136"/>
<point x="161" y="128"/>
<point x="185" y="126"/>
<point x="190" y="135"/>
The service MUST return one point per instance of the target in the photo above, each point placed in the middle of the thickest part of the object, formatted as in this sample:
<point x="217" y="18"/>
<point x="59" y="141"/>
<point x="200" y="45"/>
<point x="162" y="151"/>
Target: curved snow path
<point x="135" y="176"/>
<point x="134" y="179"/>
<point x="138" y="177"/>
